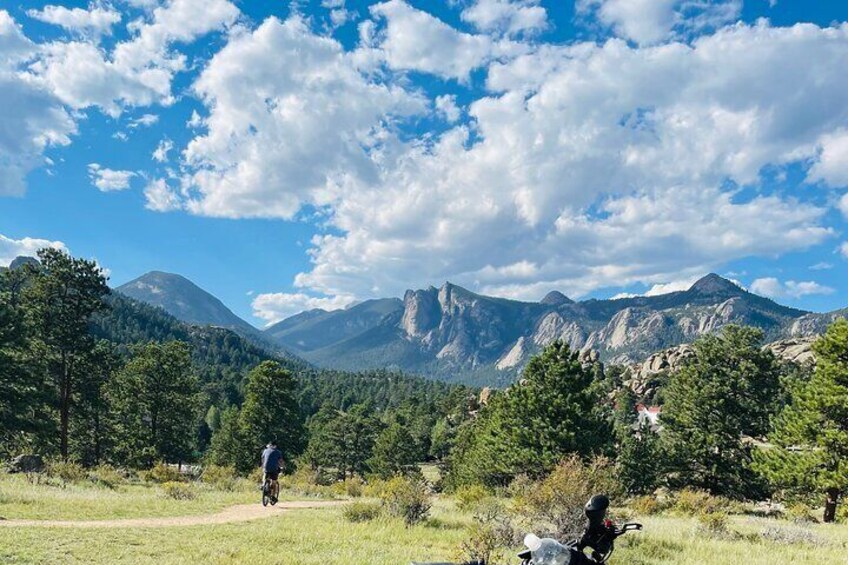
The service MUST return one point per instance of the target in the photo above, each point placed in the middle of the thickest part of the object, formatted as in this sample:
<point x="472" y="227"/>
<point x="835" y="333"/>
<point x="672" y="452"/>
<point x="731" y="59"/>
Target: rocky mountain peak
<point x="712" y="284"/>
<point x="556" y="298"/>
<point x="21" y="260"/>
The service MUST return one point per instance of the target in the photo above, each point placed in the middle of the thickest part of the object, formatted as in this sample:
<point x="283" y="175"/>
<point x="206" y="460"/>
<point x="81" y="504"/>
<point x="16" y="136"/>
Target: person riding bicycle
<point x="272" y="464"/>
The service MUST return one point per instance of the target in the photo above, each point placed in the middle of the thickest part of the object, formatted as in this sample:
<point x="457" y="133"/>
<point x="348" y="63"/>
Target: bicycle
<point x="270" y="491"/>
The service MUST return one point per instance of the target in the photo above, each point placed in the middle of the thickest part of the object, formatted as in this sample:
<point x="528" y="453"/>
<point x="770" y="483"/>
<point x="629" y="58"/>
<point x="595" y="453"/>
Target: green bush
<point x="556" y="502"/>
<point x="178" y="491"/>
<point x="105" y="475"/>
<point x="66" y="471"/>
<point x="220" y="477"/>
<point x="489" y="535"/>
<point x="407" y="498"/>
<point x="693" y="502"/>
<point x="374" y="488"/>
<point x="362" y="511"/>
<point x="713" y="523"/>
<point x="354" y="487"/>
<point x="646" y="505"/>
<point x="468" y="497"/>
<point x="800" y="513"/>
<point x="162" y="473"/>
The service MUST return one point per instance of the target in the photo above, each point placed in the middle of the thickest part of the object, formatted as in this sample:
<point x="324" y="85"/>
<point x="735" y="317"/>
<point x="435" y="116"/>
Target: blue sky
<point x="311" y="154"/>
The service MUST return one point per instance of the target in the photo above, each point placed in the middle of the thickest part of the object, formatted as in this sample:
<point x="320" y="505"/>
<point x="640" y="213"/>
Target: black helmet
<point x="596" y="508"/>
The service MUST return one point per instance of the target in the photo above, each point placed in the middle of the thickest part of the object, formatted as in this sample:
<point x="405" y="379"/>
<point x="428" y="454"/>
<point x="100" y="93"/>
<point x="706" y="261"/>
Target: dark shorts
<point x="273" y="475"/>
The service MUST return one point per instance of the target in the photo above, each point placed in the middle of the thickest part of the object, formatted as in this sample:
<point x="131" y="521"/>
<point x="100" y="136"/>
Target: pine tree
<point x="271" y="412"/>
<point x="395" y="452"/>
<point x="639" y="457"/>
<point x="810" y="437"/>
<point x="229" y="448"/>
<point x="555" y="410"/>
<point x="156" y="401"/>
<point x="60" y="300"/>
<point x="728" y="391"/>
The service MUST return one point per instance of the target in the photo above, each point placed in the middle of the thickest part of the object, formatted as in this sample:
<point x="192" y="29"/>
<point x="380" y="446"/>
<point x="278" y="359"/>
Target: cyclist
<point x="272" y="464"/>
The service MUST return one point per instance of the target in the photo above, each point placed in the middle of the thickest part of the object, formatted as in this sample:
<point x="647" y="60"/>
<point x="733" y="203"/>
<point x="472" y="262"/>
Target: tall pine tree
<point x="810" y="437"/>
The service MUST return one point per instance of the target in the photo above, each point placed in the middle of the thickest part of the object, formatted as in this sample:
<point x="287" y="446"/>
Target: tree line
<point x="736" y="421"/>
<point x="93" y="376"/>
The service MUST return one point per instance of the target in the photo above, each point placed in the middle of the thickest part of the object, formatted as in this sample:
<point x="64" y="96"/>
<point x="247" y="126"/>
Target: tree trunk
<point x="831" y="499"/>
<point x="64" y="408"/>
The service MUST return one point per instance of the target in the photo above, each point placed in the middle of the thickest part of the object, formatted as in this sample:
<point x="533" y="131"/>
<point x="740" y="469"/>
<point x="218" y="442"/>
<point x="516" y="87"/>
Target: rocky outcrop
<point x="797" y="350"/>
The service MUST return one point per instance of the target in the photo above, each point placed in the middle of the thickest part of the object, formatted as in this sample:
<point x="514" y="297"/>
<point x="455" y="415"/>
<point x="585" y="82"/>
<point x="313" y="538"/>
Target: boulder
<point x="26" y="464"/>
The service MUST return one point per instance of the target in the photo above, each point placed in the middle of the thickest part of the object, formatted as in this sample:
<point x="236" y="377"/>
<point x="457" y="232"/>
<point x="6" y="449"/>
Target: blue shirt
<point x="271" y="459"/>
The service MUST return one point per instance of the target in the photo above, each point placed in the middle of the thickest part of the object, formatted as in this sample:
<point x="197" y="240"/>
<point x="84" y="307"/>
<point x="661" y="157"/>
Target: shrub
<point x="693" y="502"/>
<point x="354" y="487"/>
<point x="362" y="511"/>
<point x="800" y="513"/>
<point x="489" y="534"/>
<point x="646" y="505"/>
<point x="374" y="488"/>
<point x="468" y="497"/>
<point x="713" y="523"/>
<point x="407" y="498"/>
<point x="557" y="501"/>
<point x="105" y="475"/>
<point x="66" y="471"/>
<point x="162" y="473"/>
<point x="178" y="491"/>
<point x="220" y="477"/>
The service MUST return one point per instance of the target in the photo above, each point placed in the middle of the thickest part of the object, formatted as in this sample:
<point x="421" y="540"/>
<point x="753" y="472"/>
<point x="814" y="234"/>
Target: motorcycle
<point x="599" y="537"/>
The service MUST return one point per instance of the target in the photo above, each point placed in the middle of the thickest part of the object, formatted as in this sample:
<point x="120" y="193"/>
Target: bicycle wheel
<point x="266" y="494"/>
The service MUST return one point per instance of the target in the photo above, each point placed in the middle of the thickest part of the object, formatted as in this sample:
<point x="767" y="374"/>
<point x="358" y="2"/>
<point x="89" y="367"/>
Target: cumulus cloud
<point x="109" y="180"/>
<point x="831" y="166"/>
<point x="32" y="119"/>
<point x="145" y="120"/>
<point x="273" y="307"/>
<point x="27" y="247"/>
<point x="415" y="40"/>
<point x="843" y="249"/>
<point x="447" y="108"/>
<point x="291" y="122"/>
<point x="160" y="155"/>
<point x="160" y="197"/>
<point x="773" y="288"/>
<point x="652" y="21"/>
<point x="138" y="71"/>
<point x="586" y="166"/>
<point x="506" y="17"/>
<point x="843" y="205"/>
<point x="95" y="21"/>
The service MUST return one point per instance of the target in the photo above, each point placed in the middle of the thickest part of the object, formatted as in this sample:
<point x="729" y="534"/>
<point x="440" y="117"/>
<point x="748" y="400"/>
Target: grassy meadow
<point x="324" y="536"/>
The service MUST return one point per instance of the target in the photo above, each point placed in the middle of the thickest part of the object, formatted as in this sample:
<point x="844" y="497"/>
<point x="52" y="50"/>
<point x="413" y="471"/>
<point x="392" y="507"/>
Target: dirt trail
<point x="238" y="513"/>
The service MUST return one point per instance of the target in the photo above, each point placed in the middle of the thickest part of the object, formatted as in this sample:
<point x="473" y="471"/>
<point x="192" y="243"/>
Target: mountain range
<point x="453" y="334"/>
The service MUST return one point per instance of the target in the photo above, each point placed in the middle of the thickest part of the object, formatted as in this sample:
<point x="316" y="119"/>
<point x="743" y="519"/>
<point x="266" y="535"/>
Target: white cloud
<point x="831" y="166"/>
<point x="160" y="197"/>
<point x="652" y="21"/>
<point x="273" y="307"/>
<point x="138" y="71"/>
<point x="598" y="165"/>
<point x="27" y="247"/>
<point x="109" y="180"/>
<point x="161" y="153"/>
<point x="95" y="21"/>
<point x="508" y="17"/>
<point x="447" y="108"/>
<point x="145" y="120"/>
<point x="773" y="288"/>
<point x="822" y="266"/>
<point x="31" y="120"/>
<point x="291" y="121"/>
<point x="415" y="40"/>
<point x="843" y="249"/>
<point x="843" y="205"/>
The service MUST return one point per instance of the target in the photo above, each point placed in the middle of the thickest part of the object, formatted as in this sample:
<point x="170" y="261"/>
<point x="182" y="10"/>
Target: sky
<point x="294" y="155"/>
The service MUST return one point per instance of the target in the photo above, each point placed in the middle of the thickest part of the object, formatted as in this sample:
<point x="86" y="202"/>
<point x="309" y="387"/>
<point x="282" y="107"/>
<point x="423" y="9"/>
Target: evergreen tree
<point x="229" y="448"/>
<point x="342" y="440"/>
<point x="271" y="411"/>
<point x="552" y="412"/>
<point x="155" y="398"/>
<point x="728" y="391"/>
<point x="810" y="437"/>
<point x="24" y="408"/>
<point x="92" y="431"/>
<point x="60" y="300"/>
<point x="395" y="452"/>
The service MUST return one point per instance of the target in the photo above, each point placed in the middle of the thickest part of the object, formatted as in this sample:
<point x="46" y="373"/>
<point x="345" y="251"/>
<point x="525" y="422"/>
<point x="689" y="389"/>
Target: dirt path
<point x="238" y="513"/>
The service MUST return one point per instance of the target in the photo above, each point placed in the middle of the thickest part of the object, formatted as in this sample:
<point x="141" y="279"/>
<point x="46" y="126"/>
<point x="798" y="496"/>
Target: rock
<point x="485" y="394"/>
<point x="797" y="350"/>
<point x="26" y="464"/>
